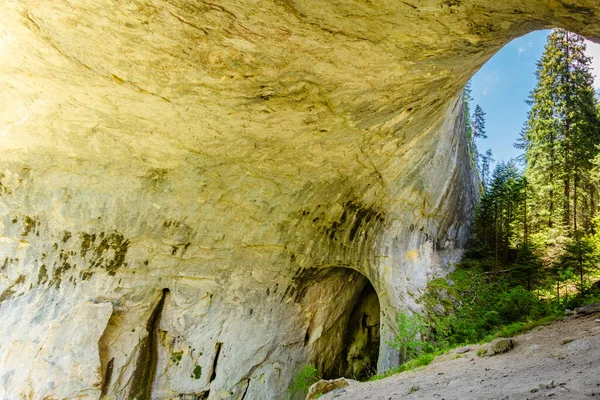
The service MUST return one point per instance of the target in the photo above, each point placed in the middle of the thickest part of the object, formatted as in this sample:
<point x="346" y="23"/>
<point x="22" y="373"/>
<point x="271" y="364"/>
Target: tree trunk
<point x="525" y="218"/>
<point x="577" y="236"/>
<point x="496" y="231"/>
<point x="567" y="200"/>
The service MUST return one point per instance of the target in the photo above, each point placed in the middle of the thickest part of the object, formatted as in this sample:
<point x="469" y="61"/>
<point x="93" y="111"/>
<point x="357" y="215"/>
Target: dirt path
<point x="559" y="361"/>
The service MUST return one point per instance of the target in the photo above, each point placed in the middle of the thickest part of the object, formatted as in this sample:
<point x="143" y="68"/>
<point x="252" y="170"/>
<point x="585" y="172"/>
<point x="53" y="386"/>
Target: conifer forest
<point x="537" y="223"/>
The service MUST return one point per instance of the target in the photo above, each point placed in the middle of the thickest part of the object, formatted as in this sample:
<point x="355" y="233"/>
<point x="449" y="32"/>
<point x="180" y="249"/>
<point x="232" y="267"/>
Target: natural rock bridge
<point x="198" y="198"/>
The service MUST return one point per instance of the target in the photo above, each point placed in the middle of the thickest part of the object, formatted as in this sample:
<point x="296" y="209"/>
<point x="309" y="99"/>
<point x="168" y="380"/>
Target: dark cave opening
<point x="361" y="341"/>
<point x="343" y="334"/>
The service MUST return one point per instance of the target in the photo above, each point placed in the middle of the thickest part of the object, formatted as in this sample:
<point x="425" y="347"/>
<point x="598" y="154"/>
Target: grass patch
<point x="505" y="331"/>
<point x="306" y="376"/>
<point x="516" y="328"/>
<point x="420" y="361"/>
<point x="478" y="308"/>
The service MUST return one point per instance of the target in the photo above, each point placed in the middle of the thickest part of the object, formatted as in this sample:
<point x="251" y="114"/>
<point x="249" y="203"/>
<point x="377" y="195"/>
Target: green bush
<point x="518" y="304"/>
<point x="488" y="302"/>
<point x="485" y="305"/>
<point x="306" y="376"/>
<point x="408" y="341"/>
<point x="519" y="327"/>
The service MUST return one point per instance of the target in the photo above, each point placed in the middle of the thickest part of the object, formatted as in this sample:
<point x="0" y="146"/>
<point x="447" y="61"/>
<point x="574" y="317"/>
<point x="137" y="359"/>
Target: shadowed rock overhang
<point x="175" y="173"/>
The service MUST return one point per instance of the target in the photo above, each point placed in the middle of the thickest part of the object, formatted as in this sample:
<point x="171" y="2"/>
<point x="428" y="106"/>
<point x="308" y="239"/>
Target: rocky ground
<point x="560" y="361"/>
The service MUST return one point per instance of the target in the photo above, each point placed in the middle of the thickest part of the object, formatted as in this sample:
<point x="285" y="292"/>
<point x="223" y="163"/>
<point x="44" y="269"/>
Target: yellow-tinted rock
<point x="261" y="160"/>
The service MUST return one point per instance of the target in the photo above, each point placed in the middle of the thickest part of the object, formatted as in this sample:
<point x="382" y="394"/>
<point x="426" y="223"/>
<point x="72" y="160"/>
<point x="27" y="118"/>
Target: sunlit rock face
<point x="197" y="199"/>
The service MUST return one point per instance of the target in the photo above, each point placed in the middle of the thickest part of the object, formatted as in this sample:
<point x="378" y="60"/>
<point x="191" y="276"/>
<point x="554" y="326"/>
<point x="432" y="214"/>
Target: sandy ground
<point x="558" y="361"/>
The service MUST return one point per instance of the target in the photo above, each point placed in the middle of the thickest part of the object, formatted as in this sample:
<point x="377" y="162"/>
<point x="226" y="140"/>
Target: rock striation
<point x="198" y="198"/>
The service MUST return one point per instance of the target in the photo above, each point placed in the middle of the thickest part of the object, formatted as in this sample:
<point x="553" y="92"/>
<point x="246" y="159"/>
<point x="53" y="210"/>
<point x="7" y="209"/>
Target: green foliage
<point x="528" y="268"/>
<point x="478" y="123"/>
<point x="484" y="172"/>
<point x="306" y="376"/>
<point x="519" y="327"/>
<point x="474" y="129"/>
<point x="409" y="340"/>
<point x="561" y="136"/>
<point x="580" y="257"/>
<point x="500" y="220"/>
<point x="421" y="361"/>
<point x="488" y="304"/>
<point x="535" y="236"/>
<point x="518" y="304"/>
<point x="491" y="305"/>
<point x="538" y="227"/>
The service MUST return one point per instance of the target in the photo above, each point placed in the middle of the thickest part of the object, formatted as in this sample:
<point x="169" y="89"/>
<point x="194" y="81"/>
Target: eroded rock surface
<point x="205" y="189"/>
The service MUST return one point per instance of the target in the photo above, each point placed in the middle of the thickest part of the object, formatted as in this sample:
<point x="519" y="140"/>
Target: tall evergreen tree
<point x="484" y="173"/>
<point x="499" y="222"/>
<point x="482" y="162"/>
<point x="479" y="123"/>
<point x="467" y="98"/>
<point x="561" y="135"/>
<point x="542" y="224"/>
<point x="475" y="129"/>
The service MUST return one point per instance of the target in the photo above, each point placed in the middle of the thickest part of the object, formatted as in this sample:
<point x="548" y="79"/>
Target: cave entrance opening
<point x="343" y="334"/>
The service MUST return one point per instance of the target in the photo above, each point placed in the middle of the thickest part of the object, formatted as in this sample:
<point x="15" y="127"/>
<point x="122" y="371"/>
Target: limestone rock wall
<point x="194" y="195"/>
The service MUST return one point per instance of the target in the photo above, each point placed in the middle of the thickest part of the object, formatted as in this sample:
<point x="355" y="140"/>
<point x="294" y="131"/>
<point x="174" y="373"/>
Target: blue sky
<point x="502" y="86"/>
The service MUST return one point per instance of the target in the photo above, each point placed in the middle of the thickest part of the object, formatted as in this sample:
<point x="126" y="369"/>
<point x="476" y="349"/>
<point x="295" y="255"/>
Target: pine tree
<point x="542" y="224"/>
<point x="528" y="268"/>
<point x="523" y="142"/>
<point x="560" y="140"/>
<point x="561" y="135"/>
<point x="482" y="162"/>
<point x="499" y="221"/>
<point x="484" y="173"/>
<point x="581" y="257"/>
<point x="479" y="123"/>
<point x="469" y="127"/>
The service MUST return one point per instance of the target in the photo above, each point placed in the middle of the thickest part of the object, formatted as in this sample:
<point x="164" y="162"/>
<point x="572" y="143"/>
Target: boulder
<point x="498" y="346"/>
<point x="588" y="309"/>
<point x="326" y="386"/>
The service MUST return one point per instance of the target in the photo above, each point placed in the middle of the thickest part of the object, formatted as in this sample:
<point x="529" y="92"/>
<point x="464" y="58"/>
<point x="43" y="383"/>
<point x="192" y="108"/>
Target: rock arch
<point x="222" y="151"/>
<point x="342" y="313"/>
